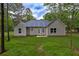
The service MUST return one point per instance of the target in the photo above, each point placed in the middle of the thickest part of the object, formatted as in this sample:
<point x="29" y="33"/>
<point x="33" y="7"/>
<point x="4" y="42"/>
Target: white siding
<point x="35" y="31"/>
<point x="23" y="30"/>
<point x="60" y="28"/>
<point x="47" y="31"/>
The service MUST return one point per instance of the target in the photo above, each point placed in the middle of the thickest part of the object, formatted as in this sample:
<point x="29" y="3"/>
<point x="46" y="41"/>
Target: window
<point x="31" y="29"/>
<point x="43" y="30"/>
<point x="19" y="30"/>
<point x="53" y="30"/>
<point x="39" y="30"/>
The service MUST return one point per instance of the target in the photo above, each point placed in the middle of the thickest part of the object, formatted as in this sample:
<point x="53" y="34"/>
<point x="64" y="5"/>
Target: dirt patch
<point x="40" y="50"/>
<point x="76" y="51"/>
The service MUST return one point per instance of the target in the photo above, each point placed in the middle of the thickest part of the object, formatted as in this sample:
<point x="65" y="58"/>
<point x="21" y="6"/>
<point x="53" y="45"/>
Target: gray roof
<point x="37" y="23"/>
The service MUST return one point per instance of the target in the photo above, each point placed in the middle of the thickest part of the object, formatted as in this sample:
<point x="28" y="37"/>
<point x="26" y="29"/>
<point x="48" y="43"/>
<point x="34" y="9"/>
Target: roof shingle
<point x="37" y="23"/>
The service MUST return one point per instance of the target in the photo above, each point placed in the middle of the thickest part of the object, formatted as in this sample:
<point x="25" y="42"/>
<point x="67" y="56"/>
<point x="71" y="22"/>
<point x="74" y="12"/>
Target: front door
<point x="41" y="31"/>
<point x="28" y="31"/>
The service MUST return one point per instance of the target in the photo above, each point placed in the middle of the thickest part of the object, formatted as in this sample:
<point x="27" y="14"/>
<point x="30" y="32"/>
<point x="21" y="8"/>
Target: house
<point x="40" y="27"/>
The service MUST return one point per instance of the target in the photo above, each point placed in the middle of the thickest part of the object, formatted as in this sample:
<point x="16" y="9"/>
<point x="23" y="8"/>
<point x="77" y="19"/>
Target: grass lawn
<point x="37" y="46"/>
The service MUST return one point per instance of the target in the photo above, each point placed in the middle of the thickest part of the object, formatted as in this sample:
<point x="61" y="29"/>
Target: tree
<point x="73" y="10"/>
<point x="52" y="7"/>
<point x="13" y="8"/>
<point x="2" y="28"/>
<point x="49" y="16"/>
<point x="28" y="14"/>
<point x="21" y="13"/>
<point x="16" y="9"/>
<point x="68" y="13"/>
<point x="64" y="11"/>
<point x="7" y="24"/>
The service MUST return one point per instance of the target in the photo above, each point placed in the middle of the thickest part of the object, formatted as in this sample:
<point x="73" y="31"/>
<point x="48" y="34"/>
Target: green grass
<point x="36" y="46"/>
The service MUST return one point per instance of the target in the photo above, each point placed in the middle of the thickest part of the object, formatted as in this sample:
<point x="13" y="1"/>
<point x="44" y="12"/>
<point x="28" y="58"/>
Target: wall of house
<point x="36" y="31"/>
<point x="47" y="31"/>
<point x="23" y="30"/>
<point x="60" y="28"/>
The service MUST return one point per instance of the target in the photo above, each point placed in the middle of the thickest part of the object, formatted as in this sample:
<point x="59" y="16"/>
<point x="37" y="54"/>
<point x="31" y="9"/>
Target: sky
<point x="38" y="9"/>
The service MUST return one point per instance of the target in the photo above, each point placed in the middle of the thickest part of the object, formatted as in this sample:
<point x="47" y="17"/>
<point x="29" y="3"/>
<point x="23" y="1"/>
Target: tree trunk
<point x="7" y="24"/>
<point x="2" y="28"/>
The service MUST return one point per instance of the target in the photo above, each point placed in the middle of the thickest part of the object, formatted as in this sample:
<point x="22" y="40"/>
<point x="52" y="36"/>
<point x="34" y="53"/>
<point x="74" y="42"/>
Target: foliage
<point x="67" y="12"/>
<point x="16" y="12"/>
<point x="49" y="16"/>
<point x="10" y="23"/>
<point x="28" y="15"/>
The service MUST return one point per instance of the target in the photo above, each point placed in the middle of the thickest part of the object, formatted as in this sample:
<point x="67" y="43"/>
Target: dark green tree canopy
<point x="66" y="12"/>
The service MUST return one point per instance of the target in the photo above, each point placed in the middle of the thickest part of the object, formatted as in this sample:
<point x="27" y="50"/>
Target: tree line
<point x="66" y="12"/>
<point x="16" y="13"/>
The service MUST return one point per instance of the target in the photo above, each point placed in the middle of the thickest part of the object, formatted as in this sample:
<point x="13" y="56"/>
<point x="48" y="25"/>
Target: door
<point x="28" y="31"/>
<point x="41" y="31"/>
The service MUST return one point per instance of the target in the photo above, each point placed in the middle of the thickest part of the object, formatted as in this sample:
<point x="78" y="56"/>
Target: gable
<point x="40" y="23"/>
<point x="57" y="22"/>
<point x="21" y="24"/>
